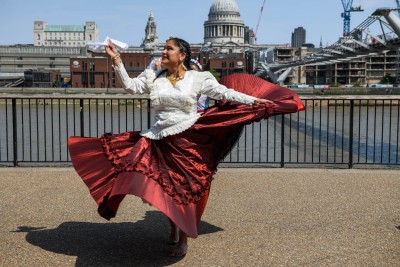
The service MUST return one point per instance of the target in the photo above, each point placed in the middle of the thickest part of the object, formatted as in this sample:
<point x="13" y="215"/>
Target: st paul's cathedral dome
<point x="224" y="23"/>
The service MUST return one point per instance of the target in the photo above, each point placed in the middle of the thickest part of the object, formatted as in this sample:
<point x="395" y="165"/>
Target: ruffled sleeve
<point x="138" y="85"/>
<point x="215" y="90"/>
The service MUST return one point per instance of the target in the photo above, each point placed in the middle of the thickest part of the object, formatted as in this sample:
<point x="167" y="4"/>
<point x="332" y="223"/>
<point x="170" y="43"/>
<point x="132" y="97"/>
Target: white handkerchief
<point x="97" y="46"/>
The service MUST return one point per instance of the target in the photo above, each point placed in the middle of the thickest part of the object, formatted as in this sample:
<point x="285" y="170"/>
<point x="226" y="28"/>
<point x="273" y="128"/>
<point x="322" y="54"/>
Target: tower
<point x="150" y="40"/>
<point x="298" y="37"/>
<point x="38" y="33"/>
<point x="91" y="32"/>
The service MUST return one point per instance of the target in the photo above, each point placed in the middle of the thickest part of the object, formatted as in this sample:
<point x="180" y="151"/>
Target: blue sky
<point x="125" y="20"/>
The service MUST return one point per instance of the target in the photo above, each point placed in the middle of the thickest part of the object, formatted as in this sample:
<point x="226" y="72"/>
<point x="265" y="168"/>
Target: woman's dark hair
<point x="184" y="47"/>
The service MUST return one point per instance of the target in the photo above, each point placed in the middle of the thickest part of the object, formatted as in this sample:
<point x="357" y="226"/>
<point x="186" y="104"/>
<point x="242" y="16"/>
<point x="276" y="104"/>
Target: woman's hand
<point x="158" y="64"/>
<point x="259" y="101"/>
<point x="112" y="51"/>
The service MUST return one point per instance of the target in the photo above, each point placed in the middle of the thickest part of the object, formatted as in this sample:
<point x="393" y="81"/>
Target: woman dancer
<point x="170" y="165"/>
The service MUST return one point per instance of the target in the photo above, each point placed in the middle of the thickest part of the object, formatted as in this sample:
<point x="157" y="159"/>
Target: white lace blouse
<point x="176" y="106"/>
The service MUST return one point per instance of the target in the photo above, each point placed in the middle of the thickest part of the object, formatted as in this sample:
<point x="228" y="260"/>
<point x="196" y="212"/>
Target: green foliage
<point x="215" y="74"/>
<point x="388" y="79"/>
<point x="57" y="83"/>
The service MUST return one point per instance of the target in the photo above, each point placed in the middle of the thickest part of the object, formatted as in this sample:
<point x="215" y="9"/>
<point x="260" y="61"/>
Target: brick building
<point x="226" y="64"/>
<point x="97" y="72"/>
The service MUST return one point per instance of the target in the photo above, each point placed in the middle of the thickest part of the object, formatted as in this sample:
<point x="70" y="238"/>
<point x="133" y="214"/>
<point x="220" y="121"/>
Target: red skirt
<point x="173" y="174"/>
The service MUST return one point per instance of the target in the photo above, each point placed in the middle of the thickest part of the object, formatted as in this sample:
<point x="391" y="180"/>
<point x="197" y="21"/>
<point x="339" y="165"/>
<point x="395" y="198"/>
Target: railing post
<point x="81" y="116"/>
<point x="148" y="113"/>
<point x="351" y="133"/>
<point x="283" y="141"/>
<point x="15" y="137"/>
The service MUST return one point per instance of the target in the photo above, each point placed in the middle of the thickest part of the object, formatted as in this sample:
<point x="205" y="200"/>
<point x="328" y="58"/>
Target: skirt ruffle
<point x="173" y="174"/>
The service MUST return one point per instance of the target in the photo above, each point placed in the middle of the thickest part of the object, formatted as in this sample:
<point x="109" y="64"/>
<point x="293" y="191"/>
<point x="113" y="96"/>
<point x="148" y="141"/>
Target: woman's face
<point x="171" y="55"/>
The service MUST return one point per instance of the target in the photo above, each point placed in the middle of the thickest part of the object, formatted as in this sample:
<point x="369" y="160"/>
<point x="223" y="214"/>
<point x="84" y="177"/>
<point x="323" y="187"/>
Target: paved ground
<point x="255" y="217"/>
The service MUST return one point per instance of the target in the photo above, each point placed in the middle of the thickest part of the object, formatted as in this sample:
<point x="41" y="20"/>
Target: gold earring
<point x="184" y="67"/>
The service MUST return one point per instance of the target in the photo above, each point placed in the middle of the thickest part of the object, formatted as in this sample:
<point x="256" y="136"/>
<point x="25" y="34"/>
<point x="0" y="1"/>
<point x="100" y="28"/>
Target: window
<point x="224" y="64"/>
<point x="84" y="65"/>
<point x="52" y="58"/>
<point x="92" y="66"/>
<point x="85" y="80"/>
<point x="231" y="64"/>
<point x="92" y="80"/>
<point x="19" y="58"/>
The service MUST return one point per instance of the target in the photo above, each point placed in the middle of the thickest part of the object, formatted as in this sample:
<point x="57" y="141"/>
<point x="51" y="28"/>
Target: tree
<point x="215" y="74"/>
<point x="388" y="79"/>
<point x="57" y="83"/>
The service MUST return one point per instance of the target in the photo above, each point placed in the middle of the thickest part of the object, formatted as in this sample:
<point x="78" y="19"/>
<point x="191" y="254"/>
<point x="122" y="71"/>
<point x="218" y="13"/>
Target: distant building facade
<point x="64" y="35"/>
<point x="298" y="37"/>
<point x="41" y="78"/>
<point x="228" y="48"/>
<point x="19" y="58"/>
<point x="359" y="71"/>
<point x="226" y="64"/>
<point x="95" y="71"/>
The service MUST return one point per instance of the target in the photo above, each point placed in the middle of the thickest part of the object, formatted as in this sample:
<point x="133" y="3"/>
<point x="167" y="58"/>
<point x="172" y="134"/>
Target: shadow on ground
<point x="141" y="243"/>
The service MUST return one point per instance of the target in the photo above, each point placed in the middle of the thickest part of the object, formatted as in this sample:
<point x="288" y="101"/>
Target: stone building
<point x="224" y="23"/>
<point x="150" y="40"/>
<point x="64" y="35"/>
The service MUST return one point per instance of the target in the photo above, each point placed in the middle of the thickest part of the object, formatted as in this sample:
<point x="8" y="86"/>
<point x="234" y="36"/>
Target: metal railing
<point x="340" y="131"/>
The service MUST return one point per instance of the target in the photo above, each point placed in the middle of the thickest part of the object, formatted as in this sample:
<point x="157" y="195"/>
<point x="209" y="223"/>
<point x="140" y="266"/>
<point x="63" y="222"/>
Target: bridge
<point x="361" y="42"/>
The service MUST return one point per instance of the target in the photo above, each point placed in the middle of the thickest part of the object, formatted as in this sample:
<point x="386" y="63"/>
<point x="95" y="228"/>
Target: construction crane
<point x="348" y="7"/>
<point x="258" y="21"/>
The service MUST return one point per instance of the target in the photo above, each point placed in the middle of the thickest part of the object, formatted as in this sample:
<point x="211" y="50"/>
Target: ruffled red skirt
<point x="173" y="174"/>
